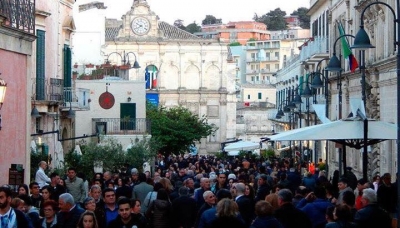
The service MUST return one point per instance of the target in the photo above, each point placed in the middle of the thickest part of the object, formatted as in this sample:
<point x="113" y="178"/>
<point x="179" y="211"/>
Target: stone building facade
<point x="185" y="70"/>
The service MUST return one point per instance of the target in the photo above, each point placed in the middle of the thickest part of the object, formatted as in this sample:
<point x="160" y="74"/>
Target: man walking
<point x="140" y="191"/>
<point x="109" y="211"/>
<point x="246" y="206"/>
<point x="70" y="213"/>
<point x="75" y="186"/>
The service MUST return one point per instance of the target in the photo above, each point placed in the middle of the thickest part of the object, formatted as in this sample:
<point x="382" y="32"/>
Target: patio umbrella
<point x="349" y="132"/>
<point x="242" y="145"/>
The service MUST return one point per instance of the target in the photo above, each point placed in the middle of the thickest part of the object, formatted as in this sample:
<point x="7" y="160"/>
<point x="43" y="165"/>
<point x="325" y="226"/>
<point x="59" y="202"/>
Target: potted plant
<point x="74" y="75"/>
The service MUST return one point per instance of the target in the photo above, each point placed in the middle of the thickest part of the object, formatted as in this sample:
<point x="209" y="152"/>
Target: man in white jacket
<point x="41" y="178"/>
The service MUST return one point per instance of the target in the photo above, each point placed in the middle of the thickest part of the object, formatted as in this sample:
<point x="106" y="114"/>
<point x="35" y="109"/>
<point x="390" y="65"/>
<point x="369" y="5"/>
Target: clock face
<point x="140" y="26"/>
<point x="106" y="100"/>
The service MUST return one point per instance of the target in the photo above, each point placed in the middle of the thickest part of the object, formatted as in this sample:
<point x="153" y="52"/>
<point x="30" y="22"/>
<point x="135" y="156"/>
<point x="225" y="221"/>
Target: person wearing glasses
<point x="50" y="218"/>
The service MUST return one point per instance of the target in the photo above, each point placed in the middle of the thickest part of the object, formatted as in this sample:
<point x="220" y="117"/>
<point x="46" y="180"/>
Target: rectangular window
<point x="248" y="96"/>
<point x="40" y="64"/>
<point x="259" y="96"/>
<point x="277" y="66"/>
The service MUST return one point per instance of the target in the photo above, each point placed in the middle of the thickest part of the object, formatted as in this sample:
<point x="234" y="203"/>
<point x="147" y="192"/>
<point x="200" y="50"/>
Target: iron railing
<point x="51" y="89"/>
<point x="118" y="126"/>
<point x="20" y="14"/>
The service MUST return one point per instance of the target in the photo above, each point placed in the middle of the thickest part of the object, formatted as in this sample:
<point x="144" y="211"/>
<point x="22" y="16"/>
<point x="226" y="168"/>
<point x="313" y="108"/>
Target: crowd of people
<point x="201" y="192"/>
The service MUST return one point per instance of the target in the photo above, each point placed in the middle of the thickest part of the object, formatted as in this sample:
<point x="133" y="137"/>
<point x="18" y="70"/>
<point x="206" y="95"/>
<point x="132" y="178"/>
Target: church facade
<point x="180" y="69"/>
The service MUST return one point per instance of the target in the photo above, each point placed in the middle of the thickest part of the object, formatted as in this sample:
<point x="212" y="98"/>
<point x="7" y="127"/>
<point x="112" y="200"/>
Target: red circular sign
<point x="106" y="100"/>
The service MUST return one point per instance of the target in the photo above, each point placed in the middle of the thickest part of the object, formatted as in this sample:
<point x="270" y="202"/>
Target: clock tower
<point x="140" y="21"/>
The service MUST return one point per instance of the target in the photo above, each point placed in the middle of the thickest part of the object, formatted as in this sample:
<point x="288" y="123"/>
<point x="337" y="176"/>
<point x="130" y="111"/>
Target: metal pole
<point x="364" y="98"/>
<point x="342" y="149"/>
<point x="327" y="116"/>
<point x="398" y="108"/>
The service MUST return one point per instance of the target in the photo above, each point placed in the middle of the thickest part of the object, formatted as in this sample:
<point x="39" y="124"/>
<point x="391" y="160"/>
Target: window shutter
<point x="40" y="65"/>
<point x="67" y="73"/>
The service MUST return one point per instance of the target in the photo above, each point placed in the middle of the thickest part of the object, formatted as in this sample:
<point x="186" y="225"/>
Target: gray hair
<point x="240" y="188"/>
<point x="370" y="195"/>
<point x="285" y="195"/>
<point x="67" y="198"/>
<point x="204" y="179"/>
<point x="190" y="172"/>
<point x="94" y="187"/>
<point x="207" y="193"/>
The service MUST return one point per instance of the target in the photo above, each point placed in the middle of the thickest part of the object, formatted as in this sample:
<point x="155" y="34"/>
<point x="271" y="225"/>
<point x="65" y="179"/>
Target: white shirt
<point x="12" y="222"/>
<point x="41" y="178"/>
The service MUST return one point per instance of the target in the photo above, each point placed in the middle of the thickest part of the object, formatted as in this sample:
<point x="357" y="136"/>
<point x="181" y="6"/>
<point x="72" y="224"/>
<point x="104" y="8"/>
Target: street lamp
<point x="3" y="88"/>
<point x="124" y="59"/>
<point x="363" y="42"/>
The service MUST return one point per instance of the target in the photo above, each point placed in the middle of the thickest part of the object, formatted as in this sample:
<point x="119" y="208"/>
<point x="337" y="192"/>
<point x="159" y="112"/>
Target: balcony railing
<point x="318" y="46"/>
<point x="20" y="14"/>
<point x="117" y="126"/>
<point x="50" y="89"/>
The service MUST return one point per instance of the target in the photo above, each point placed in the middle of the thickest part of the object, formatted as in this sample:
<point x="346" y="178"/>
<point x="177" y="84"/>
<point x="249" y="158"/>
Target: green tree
<point x="142" y="151"/>
<point x="109" y="154"/>
<point x="193" y="27"/>
<point x="179" y="23"/>
<point x="275" y="19"/>
<point x="235" y="44"/>
<point x="177" y="128"/>
<point x="210" y="20"/>
<point x="303" y="17"/>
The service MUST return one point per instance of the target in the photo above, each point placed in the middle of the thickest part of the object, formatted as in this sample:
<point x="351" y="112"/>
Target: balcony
<point x="117" y="126"/>
<point x="78" y="99"/>
<point x="48" y="89"/>
<point x="20" y="14"/>
<point x="315" y="50"/>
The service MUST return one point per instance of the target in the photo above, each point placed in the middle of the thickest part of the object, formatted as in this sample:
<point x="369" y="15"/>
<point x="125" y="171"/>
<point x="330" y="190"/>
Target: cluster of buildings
<point x="73" y="74"/>
<point x="341" y="88"/>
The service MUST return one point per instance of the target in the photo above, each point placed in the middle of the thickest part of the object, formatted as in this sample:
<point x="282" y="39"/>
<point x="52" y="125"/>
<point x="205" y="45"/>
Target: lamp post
<point x="3" y="88"/>
<point x="363" y="42"/>
<point x="335" y="65"/>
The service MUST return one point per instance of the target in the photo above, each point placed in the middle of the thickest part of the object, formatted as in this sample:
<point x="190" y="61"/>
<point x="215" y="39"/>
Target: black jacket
<point x="69" y="219"/>
<point x="136" y="220"/>
<point x="373" y="216"/>
<point x="289" y="217"/>
<point x="246" y="209"/>
<point x="184" y="212"/>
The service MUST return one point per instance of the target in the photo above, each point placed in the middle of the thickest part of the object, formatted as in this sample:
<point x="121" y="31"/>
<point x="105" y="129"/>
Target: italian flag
<point x="348" y="55"/>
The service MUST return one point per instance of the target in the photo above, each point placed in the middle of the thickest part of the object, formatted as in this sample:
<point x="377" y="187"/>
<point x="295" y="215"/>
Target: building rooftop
<point x="265" y="86"/>
<point x="169" y="32"/>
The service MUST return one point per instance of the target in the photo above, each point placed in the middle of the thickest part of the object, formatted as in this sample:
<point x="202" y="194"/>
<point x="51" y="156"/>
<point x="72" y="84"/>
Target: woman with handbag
<point x="159" y="212"/>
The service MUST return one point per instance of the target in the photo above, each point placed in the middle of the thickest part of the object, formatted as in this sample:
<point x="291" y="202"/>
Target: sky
<point x="196" y="10"/>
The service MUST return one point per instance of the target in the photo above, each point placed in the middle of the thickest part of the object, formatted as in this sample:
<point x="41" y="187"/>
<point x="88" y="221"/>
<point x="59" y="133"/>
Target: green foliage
<point x="235" y="44"/>
<point x="274" y="19"/>
<point x="210" y="20"/>
<point x="303" y="17"/>
<point x="141" y="152"/>
<point x="193" y="27"/>
<point x="177" y="128"/>
<point x="220" y="155"/>
<point x="269" y="153"/>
